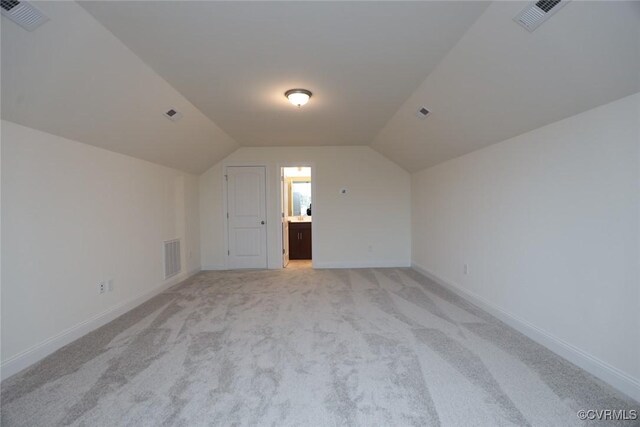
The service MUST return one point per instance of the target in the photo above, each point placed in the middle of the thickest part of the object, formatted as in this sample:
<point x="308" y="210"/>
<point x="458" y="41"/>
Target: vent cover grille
<point x="536" y="13"/>
<point x="172" y="263"/>
<point x="422" y="112"/>
<point x="23" y="14"/>
<point x="173" y="115"/>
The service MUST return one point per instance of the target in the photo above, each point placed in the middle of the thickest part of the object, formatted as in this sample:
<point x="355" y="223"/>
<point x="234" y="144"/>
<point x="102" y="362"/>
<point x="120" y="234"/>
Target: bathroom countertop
<point x="297" y="219"/>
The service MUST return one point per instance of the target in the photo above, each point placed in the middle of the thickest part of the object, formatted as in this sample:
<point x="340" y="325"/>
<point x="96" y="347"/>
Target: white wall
<point x="549" y="225"/>
<point x="74" y="215"/>
<point x="369" y="226"/>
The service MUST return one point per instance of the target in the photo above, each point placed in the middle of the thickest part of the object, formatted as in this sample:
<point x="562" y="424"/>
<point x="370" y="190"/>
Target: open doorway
<point x="297" y="210"/>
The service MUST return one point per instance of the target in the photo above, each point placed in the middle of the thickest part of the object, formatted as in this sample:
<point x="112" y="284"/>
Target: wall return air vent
<point x="23" y="14"/>
<point x="172" y="258"/>
<point x="537" y="12"/>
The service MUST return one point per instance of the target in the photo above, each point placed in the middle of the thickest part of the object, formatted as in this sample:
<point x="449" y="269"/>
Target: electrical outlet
<point x="466" y="269"/>
<point x="102" y="287"/>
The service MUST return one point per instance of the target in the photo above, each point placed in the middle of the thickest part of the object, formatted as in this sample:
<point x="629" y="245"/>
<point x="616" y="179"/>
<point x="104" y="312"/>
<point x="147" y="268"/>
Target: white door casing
<point x="285" y="220"/>
<point x="246" y="206"/>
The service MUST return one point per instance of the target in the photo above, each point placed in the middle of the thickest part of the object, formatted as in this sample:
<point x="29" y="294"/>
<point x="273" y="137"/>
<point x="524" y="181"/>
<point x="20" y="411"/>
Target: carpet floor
<point x="305" y="347"/>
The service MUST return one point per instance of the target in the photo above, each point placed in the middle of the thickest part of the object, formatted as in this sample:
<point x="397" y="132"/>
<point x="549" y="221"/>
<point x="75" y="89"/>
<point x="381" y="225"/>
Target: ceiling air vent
<point x="23" y="14"/>
<point x="423" y="112"/>
<point x="537" y="12"/>
<point x="173" y="115"/>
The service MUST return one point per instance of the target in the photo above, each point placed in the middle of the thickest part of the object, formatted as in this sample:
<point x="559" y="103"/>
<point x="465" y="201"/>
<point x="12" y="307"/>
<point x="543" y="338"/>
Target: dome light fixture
<point x="298" y="97"/>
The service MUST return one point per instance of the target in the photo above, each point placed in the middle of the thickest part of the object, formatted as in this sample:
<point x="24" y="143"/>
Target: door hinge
<point x="283" y="252"/>
<point x="226" y="177"/>
<point x="228" y="252"/>
<point x="227" y="215"/>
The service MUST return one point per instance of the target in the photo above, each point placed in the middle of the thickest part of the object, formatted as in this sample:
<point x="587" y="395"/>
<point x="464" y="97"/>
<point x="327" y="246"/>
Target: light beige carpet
<point x="305" y="347"/>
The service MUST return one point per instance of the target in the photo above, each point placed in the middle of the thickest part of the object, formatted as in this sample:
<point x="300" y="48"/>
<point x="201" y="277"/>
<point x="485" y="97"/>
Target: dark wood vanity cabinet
<point x="299" y="240"/>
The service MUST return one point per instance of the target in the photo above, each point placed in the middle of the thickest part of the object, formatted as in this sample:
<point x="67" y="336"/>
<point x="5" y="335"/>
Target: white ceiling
<point x="500" y="81"/>
<point x="235" y="60"/>
<point x="71" y="77"/>
<point x="226" y="65"/>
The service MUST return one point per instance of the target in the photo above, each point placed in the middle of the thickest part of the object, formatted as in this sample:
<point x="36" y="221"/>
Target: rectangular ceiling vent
<point x="173" y="115"/>
<point x="423" y="112"/>
<point x="23" y="14"/>
<point x="537" y="12"/>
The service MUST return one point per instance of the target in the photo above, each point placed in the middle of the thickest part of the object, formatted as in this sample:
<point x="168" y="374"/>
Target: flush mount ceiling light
<point x="298" y="97"/>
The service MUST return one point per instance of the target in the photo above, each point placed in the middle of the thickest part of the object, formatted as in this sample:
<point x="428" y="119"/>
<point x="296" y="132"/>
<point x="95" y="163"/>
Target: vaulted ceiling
<point x="104" y="72"/>
<point x="235" y="60"/>
<point x="500" y="81"/>
<point x="71" y="77"/>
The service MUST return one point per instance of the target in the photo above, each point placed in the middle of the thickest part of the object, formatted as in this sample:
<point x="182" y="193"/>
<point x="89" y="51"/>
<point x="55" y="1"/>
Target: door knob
<point x="262" y="222"/>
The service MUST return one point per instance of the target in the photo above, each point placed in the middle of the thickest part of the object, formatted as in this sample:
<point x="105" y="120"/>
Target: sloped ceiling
<point x="500" y="81"/>
<point x="235" y="60"/>
<point x="371" y="65"/>
<point x="73" y="78"/>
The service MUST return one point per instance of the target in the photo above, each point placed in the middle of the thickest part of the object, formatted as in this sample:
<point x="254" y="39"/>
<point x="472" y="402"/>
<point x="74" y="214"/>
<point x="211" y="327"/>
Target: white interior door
<point x="246" y="204"/>
<point x="285" y="220"/>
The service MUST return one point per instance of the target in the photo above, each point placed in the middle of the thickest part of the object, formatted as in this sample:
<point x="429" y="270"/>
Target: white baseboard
<point x="361" y="264"/>
<point x="598" y="368"/>
<point x="39" y="351"/>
